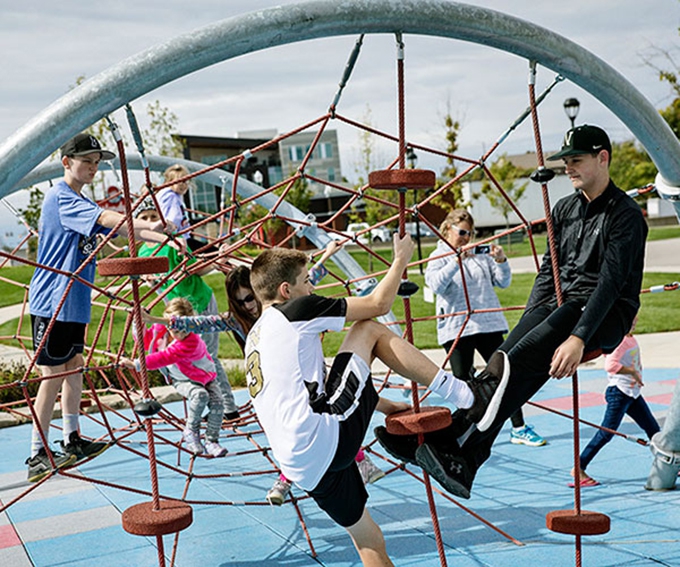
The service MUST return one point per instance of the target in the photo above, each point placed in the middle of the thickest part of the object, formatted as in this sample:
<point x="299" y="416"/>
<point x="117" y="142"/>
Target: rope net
<point x="111" y="392"/>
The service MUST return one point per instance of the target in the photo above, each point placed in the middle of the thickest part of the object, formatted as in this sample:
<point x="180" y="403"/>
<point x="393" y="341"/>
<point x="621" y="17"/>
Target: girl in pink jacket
<point x="186" y="364"/>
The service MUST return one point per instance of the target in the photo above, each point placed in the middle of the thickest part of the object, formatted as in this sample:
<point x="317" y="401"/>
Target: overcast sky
<point x="46" y="45"/>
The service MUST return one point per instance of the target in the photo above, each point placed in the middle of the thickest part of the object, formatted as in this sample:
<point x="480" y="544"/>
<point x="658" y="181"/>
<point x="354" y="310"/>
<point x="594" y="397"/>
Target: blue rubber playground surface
<point x="69" y="520"/>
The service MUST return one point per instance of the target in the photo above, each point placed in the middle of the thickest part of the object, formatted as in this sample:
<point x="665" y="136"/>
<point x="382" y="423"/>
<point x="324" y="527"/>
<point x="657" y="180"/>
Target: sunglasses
<point x="461" y="231"/>
<point x="247" y="299"/>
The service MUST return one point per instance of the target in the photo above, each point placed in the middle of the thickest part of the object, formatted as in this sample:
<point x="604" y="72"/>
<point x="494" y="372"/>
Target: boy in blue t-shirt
<point x="69" y="225"/>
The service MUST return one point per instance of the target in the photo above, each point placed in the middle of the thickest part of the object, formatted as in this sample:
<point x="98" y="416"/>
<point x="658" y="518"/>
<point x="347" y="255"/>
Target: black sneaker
<point x="82" y="449"/>
<point x="451" y="471"/>
<point x="488" y="388"/>
<point x="401" y="447"/>
<point x="39" y="466"/>
<point x="231" y="415"/>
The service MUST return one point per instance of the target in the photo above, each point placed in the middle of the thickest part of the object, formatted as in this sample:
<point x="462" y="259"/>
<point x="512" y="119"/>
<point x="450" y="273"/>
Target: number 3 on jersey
<point x="254" y="373"/>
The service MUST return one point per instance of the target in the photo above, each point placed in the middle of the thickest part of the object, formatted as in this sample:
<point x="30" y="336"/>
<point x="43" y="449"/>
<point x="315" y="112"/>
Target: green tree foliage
<point x="452" y="197"/>
<point x="506" y="174"/>
<point x="158" y="137"/>
<point x="31" y="214"/>
<point x="631" y="166"/>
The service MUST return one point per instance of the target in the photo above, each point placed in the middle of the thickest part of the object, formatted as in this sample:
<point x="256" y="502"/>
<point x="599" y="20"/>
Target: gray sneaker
<point x="193" y="442"/>
<point x="370" y="472"/>
<point x="39" y="466"/>
<point x="278" y="492"/>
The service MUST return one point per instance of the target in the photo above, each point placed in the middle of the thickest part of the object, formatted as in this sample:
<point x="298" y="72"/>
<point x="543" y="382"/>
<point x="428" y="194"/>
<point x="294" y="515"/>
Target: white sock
<point x="36" y="443"/>
<point x="452" y="389"/>
<point x="69" y="424"/>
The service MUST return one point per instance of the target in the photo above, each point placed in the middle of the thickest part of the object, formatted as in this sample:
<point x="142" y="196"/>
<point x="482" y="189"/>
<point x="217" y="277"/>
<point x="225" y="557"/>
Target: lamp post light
<point x="571" y="108"/>
<point x="412" y="159"/>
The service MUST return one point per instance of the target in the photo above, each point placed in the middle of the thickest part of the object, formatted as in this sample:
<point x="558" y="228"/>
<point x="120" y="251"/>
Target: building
<point x="272" y="161"/>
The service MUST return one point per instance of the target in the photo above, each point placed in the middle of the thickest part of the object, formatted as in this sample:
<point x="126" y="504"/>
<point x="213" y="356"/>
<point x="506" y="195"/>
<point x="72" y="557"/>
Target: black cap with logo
<point x="584" y="139"/>
<point x="84" y="144"/>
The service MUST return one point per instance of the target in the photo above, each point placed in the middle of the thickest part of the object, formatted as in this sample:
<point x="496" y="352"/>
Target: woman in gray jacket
<point x="480" y="324"/>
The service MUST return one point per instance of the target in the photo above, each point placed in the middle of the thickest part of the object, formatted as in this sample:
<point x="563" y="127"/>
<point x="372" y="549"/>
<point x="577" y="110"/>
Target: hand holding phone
<point x="482" y="249"/>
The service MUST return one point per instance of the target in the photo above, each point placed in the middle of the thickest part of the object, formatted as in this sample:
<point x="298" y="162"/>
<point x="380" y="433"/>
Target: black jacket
<point x="600" y="250"/>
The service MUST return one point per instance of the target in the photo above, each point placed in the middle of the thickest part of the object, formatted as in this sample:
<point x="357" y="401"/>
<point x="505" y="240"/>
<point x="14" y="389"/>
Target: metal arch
<point x="141" y="73"/>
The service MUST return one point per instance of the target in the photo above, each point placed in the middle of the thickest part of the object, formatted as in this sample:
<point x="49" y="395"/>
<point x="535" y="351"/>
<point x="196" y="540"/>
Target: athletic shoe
<point x="451" y="471"/>
<point x="488" y="388"/>
<point x="370" y="472"/>
<point x="231" y="415"/>
<point x="401" y="447"/>
<point x="526" y="436"/>
<point x="82" y="449"/>
<point x="193" y="442"/>
<point x="214" y="449"/>
<point x="278" y="492"/>
<point x="39" y="466"/>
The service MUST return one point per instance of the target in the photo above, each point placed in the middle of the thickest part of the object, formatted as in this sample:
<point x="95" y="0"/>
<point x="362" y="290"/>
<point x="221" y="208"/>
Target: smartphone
<point x="482" y="249"/>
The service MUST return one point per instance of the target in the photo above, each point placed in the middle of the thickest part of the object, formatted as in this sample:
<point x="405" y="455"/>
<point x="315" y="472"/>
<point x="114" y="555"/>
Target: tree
<point x="373" y="211"/>
<point x="631" y="166"/>
<point x="506" y="174"/>
<point x="31" y="215"/>
<point x="452" y="197"/>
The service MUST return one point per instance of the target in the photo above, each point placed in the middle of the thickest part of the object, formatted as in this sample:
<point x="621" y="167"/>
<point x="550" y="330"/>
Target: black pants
<point x="530" y="347"/>
<point x="463" y="357"/>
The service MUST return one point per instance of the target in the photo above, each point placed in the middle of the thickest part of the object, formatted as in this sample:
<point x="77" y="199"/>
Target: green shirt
<point x="192" y="287"/>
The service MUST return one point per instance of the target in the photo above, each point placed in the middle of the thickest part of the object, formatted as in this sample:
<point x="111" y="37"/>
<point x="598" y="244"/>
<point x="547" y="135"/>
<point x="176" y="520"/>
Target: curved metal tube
<point x="236" y="36"/>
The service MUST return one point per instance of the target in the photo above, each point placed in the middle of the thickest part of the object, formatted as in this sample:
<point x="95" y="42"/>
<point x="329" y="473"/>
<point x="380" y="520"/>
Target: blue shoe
<point x="526" y="436"/>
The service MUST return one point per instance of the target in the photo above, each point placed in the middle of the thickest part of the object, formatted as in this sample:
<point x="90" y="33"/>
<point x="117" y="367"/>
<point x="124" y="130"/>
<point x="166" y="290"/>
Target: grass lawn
<point x="660" y="312"/>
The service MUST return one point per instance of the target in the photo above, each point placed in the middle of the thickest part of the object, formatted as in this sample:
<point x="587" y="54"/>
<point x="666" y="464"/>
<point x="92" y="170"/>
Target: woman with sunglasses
<point x="479" y="269"/>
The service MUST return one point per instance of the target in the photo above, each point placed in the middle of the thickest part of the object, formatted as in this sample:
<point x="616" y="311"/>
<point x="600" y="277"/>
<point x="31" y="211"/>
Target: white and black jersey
<point x="283" y="352"/>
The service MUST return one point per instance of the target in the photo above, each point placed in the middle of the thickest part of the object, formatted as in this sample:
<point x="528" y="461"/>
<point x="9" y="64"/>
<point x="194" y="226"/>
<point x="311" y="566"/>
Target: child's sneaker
<point x="214" y="449"/>
<point x="39" y="466"/>
<point x="526" y="436"/>
<point x="82" y="449"/>
<point x="193" y="442"/>
<point x="278" y="492"/>
<point x="370" y="472"/>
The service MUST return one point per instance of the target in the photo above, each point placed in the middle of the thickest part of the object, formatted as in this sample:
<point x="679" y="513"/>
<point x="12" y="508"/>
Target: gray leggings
<point x="212" y="342"/>
<point x="198" y="397"/>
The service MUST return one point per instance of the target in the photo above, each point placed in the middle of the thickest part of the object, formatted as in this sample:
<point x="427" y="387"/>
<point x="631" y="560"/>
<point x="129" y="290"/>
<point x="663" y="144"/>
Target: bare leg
<point x="73" y="387"/>
<point x="370" y="340"/>
<point x="47" y="396"/>
<point x="369" y="541"/>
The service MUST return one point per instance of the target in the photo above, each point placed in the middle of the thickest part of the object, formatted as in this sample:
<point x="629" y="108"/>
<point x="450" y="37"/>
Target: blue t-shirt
<point x="67" y="236"/>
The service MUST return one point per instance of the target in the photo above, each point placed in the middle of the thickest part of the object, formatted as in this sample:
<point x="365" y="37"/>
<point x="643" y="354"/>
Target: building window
<point x="331" y="174"/>
<point x="325" y="150"/>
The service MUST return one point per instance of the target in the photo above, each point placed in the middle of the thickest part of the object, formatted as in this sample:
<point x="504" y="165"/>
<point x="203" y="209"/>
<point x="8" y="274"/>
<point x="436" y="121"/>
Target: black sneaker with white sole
<point x="488" y="388"/>
<point x="401" y="447"/>
<point x="82" y="449"/>
<point x="39" y="466"/>
<point x="451" y="471"/>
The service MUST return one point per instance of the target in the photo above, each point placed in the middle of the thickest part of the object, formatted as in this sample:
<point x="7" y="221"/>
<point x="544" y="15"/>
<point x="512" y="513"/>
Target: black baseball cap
<point x="84" y="144"/>
<point x="585" y="139"/>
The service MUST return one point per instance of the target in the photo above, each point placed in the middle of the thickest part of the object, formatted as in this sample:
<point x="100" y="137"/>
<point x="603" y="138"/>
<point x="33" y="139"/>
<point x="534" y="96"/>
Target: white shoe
<point x="214" y="449"/>
<point x="370" y="473"/>
<point x="193" y="442"/>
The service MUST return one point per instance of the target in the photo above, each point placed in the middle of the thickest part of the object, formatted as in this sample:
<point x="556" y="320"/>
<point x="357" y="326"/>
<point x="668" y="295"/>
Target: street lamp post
<point x="412" y="159"/>
<point x="571" y="108"/>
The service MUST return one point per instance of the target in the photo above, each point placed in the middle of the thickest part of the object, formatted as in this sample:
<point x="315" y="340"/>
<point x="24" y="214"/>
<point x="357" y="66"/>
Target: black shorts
<point x="341" y="492"/>
<point x="63" y="343"/>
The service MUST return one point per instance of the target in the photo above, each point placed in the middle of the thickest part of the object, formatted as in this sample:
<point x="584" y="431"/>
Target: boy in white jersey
<point x="315" y="422"/>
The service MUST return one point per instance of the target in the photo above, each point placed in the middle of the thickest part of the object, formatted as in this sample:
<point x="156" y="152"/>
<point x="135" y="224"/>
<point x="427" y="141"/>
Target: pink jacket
<point x="189" y="356"/>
